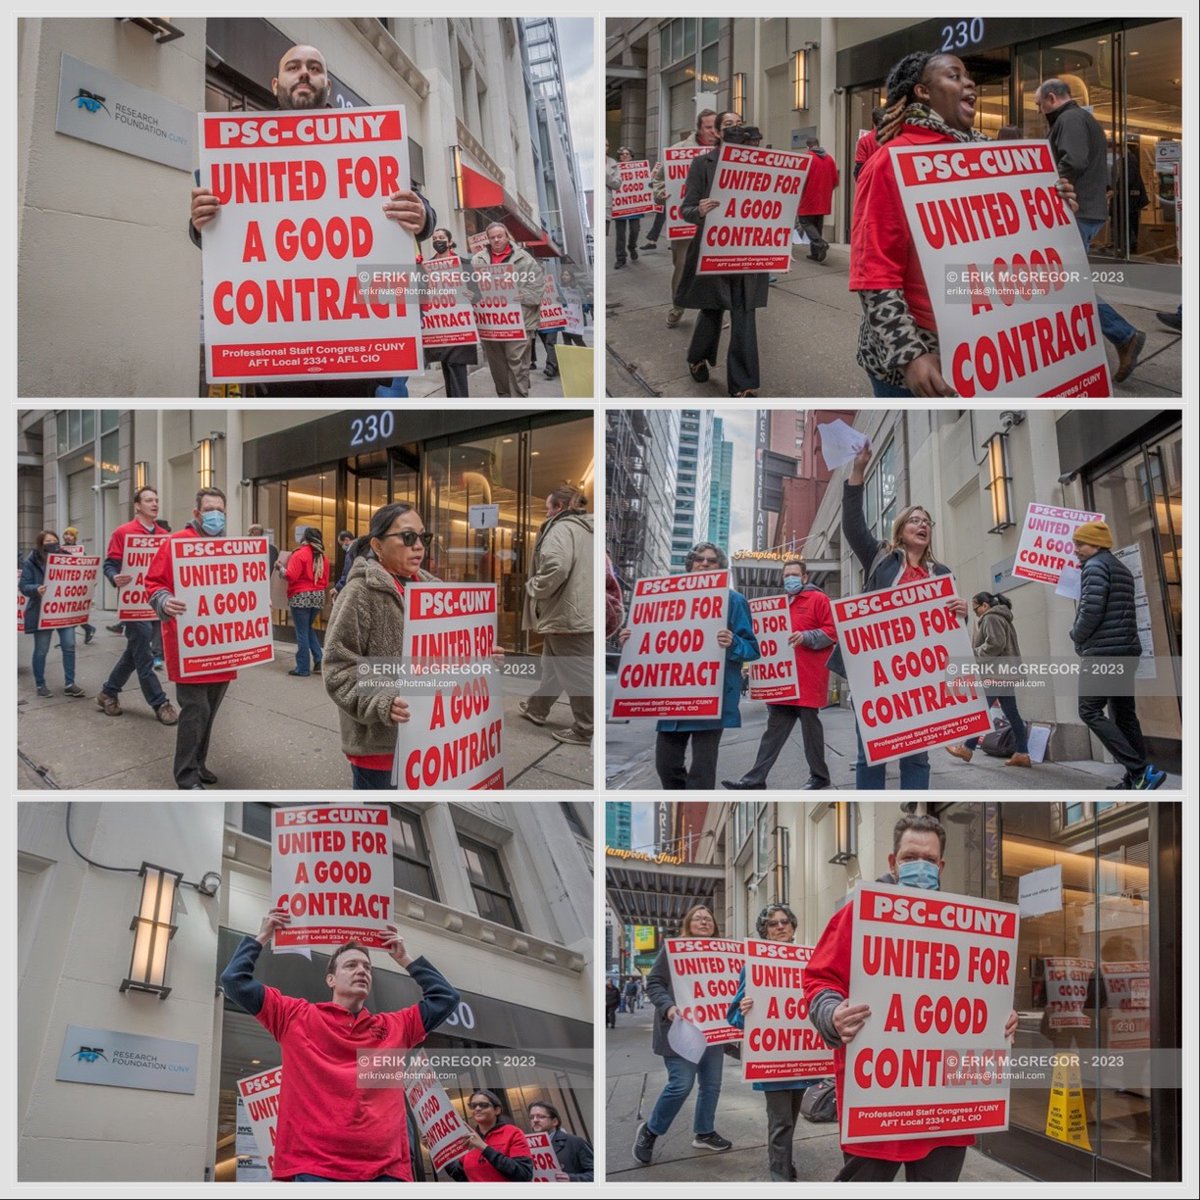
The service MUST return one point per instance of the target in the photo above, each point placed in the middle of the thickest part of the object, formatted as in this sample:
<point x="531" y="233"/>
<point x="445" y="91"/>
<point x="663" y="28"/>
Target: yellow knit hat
<point x="1094" y="533"/>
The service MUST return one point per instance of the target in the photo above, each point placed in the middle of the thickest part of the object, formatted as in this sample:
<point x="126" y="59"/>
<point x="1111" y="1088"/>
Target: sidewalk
<point x="273" y="731"/>
<point x="634" y="1079"/>
<point x="808" y="333"/>
<point x="630" y="760"/>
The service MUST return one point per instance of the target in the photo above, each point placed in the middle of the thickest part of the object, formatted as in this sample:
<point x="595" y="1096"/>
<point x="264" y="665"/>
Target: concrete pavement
<point x="273" y="731"/>
<point x="629" y="758"/>
<point x="808" y="332"/>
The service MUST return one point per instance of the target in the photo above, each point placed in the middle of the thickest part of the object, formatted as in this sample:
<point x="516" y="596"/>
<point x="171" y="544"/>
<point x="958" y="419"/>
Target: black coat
<point x="732" y="292"/>
<point x="33" y="575"/>
<point x="574" y="1155"/>
<point x="1106" y="619"/>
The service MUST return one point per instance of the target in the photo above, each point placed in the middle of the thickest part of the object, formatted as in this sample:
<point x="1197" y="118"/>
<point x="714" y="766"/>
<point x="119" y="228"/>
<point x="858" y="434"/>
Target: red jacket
<point x="882" y="253"/>
<point x="299" y="572"/>
<point x="866" y="145"/>
<point x="810" y="609"/>
<point x="817" y="198"/>
<point x="829" y="969"/>
<point x="116" y="543"/>
<point x="505" y="1137"/>
<point x="161" y="577"/>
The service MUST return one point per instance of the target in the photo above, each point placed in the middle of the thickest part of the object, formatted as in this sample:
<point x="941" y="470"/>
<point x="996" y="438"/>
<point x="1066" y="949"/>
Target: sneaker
<point x="115" y="628"/>
<point x="158" y="664"/>
<point x="523" y="708"/>
<point x="712" y="1141"/>
<point x="1172" y="320"/>
<point x="648" y="246"/>
<point x="1150" y="779"/>
<point x="89" y="632"/>
<point x="960" y="752"/>
<point x="1019" y="760"/>
<point x="74" y="690"/>
<point x="44" y="692"/>
<point x="643" y="1144"/>
<point x="1127" y="356"/>
<point x="300" y="674"/>
<point x="736" y="785"/>
<point x="572" y="737"/>
<point x="674" y="316"/>
<point x="206" y="777"/>
<point x="1124" y="784"/>
<point x="108" y="705"/>
<point x="632" y="254"/>
<point x="167" y="714"/>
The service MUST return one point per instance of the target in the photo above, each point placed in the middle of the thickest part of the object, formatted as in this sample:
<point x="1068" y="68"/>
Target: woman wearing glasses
<point x="368" y="622"/>
<point x="907" y="558"/>
<point x="499" y="1151"/>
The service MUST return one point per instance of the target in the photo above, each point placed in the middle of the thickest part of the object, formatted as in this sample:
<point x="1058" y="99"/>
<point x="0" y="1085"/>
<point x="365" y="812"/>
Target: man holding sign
<point x="331" y="1127"/>
<point x="574" y="1154"/>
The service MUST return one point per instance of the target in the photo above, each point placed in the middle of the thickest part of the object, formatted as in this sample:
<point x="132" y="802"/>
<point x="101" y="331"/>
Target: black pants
<point x="573" y="339"/>
<point x="627" y="233"/>
<point x="781" y="719"/>
<point x="660" y="219"/>
<point x="1119" y="730"/>
<point x="814" y="229"/>
<point x="198" y="704"/>
<point x="670" y="753"/>
<point x="943" y="1164"/>
<point x="783" y="1111"/>
<point x="741" y="368"/>
<point x="454" y="375"/>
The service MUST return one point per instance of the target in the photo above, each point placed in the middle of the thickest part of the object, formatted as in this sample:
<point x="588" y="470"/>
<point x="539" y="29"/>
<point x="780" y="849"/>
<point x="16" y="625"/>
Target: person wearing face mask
<point x="776" y="923"/>
<point x="368" y="622"/>
<point x="201" y="696"/>
<point x="454" y="359"/>
<point x="916" y="861"/>
<point x="812" y="634"/>
<point x="32" y="585"/>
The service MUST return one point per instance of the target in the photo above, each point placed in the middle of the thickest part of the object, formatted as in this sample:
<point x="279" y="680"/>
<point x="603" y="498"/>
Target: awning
<point x="658" y="894"/>
<point x="477" y="189"/>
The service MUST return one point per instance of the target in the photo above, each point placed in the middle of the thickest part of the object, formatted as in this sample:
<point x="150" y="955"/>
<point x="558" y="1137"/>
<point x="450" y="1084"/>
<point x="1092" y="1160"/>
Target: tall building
<point x="693" y="482"/>
<point x="720" y="492"/>
<point x="618" y="824"/>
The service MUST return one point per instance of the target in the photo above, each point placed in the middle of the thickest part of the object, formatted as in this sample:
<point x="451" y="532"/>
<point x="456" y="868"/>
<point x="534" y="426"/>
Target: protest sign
<point x="447" y="315"/>
<point x="757" y="194"/>
<point x="574" y="306"/>
<point x="498" y="313"/>
<point x="671" y="666"/>
<point x="677" y="161"/>
<point x="633" y="196"/>
<point x="139" y="553"/>
<point x="1127" y="999"/>
<point x="303" y="274"/>
<point x="773" y="676"/>
<point x="331" y="868"/>
<point x="553" y="313"/>
<point x="1008" y="276"/>
<point x="546" y="1168"/>
<point x="1047" y="547"/>
<point x="76" y="549"/>
<point x="443" y="1131"/>
<point x="226" y="586"/>
<point x="70" y="584"/>
<point x="1067" y="982"/>
<point x="454" y="735"/>
<point x="22" y="600"/>
<point x="897" y="645"/>
<point x="938" y="972"/>
<point x="259" y="1095"/>
<point x="704" y="978"/>
<point x="780" y="1042"/>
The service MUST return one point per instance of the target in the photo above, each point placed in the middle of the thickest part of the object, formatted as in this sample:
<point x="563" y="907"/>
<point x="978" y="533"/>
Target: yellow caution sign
<point x="1066" y="1118"/>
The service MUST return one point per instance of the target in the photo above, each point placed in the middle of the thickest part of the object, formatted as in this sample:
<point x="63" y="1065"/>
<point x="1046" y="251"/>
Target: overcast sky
<point x="739" y="429"/>
<point x="577" y="43"/>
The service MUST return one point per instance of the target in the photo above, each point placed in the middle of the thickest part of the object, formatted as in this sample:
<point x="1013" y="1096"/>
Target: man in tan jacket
<point x="508" y="361"/>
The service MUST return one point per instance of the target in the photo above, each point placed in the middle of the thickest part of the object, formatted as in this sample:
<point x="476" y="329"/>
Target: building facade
<point x="693" y="481"/>
<point x="720" y="492"/>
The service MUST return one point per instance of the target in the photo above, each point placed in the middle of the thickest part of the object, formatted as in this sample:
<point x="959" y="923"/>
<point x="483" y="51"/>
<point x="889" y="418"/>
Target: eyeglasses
<point x="410" y="537"/>
<point x="919" y="521"/>
<point x="785" y="923"/>
<point x="481" y="1104"/>
<point x="707" y="562"/>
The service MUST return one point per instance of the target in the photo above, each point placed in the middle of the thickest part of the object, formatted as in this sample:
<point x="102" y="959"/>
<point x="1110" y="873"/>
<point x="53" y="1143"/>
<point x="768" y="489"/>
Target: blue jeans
<point x="306" y="638"/>
<point x="681" y="1075"/>
<point x="138" y="656"/>
<point x="1114" y="326"/>
<point x="41" y="651"/>
<point x="366" y="779"/>
<point x="1008" y="706"/>
<point x="914" y="770"/>
<point x="889" y="391"/>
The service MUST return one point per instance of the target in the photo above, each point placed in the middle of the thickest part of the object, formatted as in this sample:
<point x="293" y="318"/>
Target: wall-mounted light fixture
<point x="739" y="94"/>
<point x="999" y="482"/>
<point x="208" y="458"/>
<point x="161" y="27"/>
<point x="153" y="928"/>
<point x="782" y="864"/>
<point x="141" y="475"/>
<point x="845" y="831"/>
<point x="800" y="80"/>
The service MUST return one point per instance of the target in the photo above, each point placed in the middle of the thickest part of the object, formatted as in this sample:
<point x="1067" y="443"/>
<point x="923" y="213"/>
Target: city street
<point x="808" y="332"/>
<point x="630" y="760"/>
<point x="273" y="732"/>
<point x="634" y="1079"/>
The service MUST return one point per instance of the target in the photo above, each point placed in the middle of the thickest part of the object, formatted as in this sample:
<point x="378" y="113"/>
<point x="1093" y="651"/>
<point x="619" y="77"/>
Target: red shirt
<point x="817" y="198"/>
<point x="829" y="968"/>
<point x="328" y="1125"/>
<point x="506" y="1138"/>
<point x="866" y="145"/>
<point x="911" y="574"/>
<point x="116" y="543"/>
<point x="882" y="253"/>
<point x="299" y="572"/>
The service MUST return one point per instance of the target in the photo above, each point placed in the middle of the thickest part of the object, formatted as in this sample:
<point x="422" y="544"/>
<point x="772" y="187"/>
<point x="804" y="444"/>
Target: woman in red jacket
<point x="500" y="1152"/>
<point x="307" y="574"/>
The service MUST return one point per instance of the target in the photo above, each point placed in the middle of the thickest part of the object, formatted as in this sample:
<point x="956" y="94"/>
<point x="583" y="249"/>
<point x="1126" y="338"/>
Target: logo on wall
<point x="90" y="1054"/>
<point x="90" y="101"/>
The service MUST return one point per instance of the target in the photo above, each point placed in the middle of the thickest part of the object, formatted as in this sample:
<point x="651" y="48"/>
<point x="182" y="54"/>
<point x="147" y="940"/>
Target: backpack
<point x="820" y="1101"/>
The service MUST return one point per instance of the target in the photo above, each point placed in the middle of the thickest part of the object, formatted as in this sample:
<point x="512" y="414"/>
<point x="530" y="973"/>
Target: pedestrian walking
<point x="454" y="360"/>
<point x="508" y="361"/>
<point x="612" y="1003"/>
<point x="307" y="575"/>
<point x="626" y="229"/>
<point x="32" y="585"/>
<point x="816" y="200"/>
<point x="72" y="545"/>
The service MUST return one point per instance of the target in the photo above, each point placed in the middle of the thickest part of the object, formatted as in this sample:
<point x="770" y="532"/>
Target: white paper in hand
<point x="840" y="443"/>
<point x="686" y="1039"/>
<point x="1069" y="582"/>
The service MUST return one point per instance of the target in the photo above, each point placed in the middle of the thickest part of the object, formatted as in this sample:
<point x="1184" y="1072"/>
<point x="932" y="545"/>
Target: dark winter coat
<point x="33" y="575"/>
<point x="1081" y="154"/>
<point x="1106" y="618"/>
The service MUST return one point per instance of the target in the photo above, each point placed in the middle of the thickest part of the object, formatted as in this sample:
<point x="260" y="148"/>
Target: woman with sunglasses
<point x="499" y="1150"/>
<point x="368" y="622"/>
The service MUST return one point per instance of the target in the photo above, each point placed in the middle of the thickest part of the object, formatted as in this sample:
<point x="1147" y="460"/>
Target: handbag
<point x="819" y="1103"/>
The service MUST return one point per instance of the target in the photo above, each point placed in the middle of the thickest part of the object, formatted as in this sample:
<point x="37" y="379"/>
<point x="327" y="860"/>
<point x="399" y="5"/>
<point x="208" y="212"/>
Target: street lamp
<point x="152" y="931"/>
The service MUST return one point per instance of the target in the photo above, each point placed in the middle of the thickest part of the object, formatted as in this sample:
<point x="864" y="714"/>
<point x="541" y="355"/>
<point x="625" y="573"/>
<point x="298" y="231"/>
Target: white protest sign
<point x="897" y="646"/>
<point x="677" y="161"/>
<point x="259" y="1094"/>
<point x="302" y="196"/>
<point x="443" y="1131"/>
<point x="546" y="1168"/>
<point x="1067" y="982"/>
<point x="574" y="304"/>
<point x="1131" y="556"/>
<point x="773" y="676"/>
<point x="938" y="972"/>
<point x="447" y="315"/>
<point x="1008" y="277"/>
<point x="498" y="313"/>
<point x="22" y="601"/>
<point x="553" y="312"/>
<point x="454" y="735"/>
<point x="633" y="197"/>
<point x="226" y="586"/>
<point x="331" y="868"/>
<point x="780" y="1042"/>
<point x="139" y="553"/>
<point x="757" y="194"/>
<point x="840" y="443"/>
<point x="1127" y="999"/>
<point x="1046" y="547"/>
<point x="671" y="666"/>
<point x="1070" y="582"/>
<point x="1040" y="892"/>
<point x="704" y="979"/>
<point x="70" y="585"/>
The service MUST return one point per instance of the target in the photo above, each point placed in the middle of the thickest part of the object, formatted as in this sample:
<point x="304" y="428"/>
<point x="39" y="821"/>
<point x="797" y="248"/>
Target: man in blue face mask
<point x="918" y="847"/>
<point x="201" y="696"/>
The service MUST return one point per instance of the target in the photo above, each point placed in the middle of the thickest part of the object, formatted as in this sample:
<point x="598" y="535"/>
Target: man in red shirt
<point x="867" y="142"/>
<point x="816" y="201"/>
<point x="330" y="1127"/>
